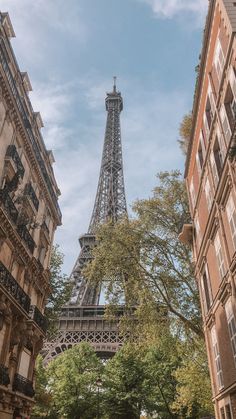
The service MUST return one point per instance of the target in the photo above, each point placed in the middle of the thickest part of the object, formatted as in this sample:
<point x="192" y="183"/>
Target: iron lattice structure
<point x="82" y="319"/>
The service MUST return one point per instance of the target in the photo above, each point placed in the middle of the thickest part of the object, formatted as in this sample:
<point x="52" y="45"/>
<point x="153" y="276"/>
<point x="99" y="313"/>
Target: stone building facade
<point x="29" y="215"/>
<point x="211" y="183"/>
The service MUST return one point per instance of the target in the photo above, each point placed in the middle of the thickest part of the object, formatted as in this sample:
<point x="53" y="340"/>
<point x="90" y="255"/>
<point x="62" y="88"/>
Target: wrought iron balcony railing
<point x="24" y="113"/>
<point x="9" y="205"/>
<point x="29" y="190"/>
<point x="14" y="289"/>
<point x="13" y="214"/>
<point x="26" y="236"/>
<point x="45" y="227"/>
<point x="4" y="376"/>
<point x="23" y="385"/>
<point x="12" y="152"/>
<point x="38" y="318"/>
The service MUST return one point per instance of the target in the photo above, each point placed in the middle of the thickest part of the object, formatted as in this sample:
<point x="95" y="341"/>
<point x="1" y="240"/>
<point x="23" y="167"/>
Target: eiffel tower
<point x="82" y="319"/>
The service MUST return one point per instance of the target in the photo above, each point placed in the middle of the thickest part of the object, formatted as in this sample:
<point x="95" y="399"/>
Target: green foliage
<point x="144" y="260"/>
<point x="72" y="382"/>
<point x="193" y="397"/>
<point x="185" y="132"/>
<point x="60" y="289"/>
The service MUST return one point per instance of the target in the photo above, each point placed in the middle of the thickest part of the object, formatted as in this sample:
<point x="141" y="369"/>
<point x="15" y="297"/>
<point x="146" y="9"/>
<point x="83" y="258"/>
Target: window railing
<point x="25" y="118"/>
<point x="26" y="236"/>
<point x="23" y="385"/>
<point x="13" y="214"/>
<point x="14" y="289"/>
<point x="12" y="152"/>
<point x="38" y="318"/>
<point x="4" y="376"/>
<point x="9" y="205"/>
<point x="29" y="190"/>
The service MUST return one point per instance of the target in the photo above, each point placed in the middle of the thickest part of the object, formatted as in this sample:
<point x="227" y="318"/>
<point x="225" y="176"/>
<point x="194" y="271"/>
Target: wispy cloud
<point x="54" y="101"/>
<point x="39" y="25"/>
<point x="167" y="9"/>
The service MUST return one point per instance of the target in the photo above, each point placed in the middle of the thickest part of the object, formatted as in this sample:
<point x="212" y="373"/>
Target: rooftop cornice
<point x="207" y="32"/>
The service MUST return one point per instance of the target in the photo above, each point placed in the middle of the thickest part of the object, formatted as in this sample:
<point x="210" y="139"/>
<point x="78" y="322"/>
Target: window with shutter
<point x="214" y="169"/>
<point x="228" y="411"/>
<point x="221" y="142"/>
<point x="208" y="193"/>
<point x="206" y="124"/>
<point x="197" y="229"/>
<point x="192" y="194"/>
<point x="202" y="144"/>
<point x="206" y="290"/>
<point x="232" y="80"/>
<point x="216" y="354"/>
<point x="231" y="215"/>
<point x="219" y="256"/>
<point x="232" y="326"/>
<point x="225" y="123"/>
<point x="219" y="59"/>
<point x="211" y="97"/>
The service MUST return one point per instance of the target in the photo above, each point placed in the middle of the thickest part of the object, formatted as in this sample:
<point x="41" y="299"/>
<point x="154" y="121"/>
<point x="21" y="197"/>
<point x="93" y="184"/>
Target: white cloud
<point x="169" y="8"/>
<point x="38" y="25"/>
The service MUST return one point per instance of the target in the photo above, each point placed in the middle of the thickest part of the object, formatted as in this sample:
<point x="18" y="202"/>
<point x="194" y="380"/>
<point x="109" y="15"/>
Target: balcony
<point x="38" y="318"/>
<point x="13" y="215"/>
<point x="32" y="195"/>
<point x="9" y="206"/>
<point x="13" y="154"/>
<point x="23" y="385"/>
<point x="25" y="115"/>
<point x="4" y="376"/>
<point x="13" y="288"/>
<point x="26" y="236"/>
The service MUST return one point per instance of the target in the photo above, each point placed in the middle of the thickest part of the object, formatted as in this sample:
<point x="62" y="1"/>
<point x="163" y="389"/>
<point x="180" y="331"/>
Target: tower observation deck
<point x="82" y="319"/>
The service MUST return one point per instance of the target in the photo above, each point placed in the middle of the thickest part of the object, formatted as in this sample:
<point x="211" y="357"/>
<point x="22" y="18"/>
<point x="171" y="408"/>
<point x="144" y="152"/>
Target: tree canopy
<point x="143" y="262"/>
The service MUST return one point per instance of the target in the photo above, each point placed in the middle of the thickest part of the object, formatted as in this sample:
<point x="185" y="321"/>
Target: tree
<point x="193" y="391"/>
<point x="124" y="384"/>
<point x="60" y="289"/>
<point x="143" y="261"/>
<point x="72" y="380"/>
<point x="43" y="407"/>
<point x="185" y="132"/>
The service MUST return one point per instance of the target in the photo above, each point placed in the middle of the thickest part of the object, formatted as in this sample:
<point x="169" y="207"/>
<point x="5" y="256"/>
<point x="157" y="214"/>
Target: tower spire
<point x="114" y="84"/>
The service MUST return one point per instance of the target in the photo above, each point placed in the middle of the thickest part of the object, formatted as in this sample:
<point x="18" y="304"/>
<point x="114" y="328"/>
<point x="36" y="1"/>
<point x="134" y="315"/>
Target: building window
<point x="217" y="161"/>
<point x="232" y="326"/>
<point x="225" y="123"/>
<point x="211" y="97"/>
<point x="209" y="113"/>
<point x="222" y="413"/>
<point x="206" y="123"/>
<point x="24" y="363"/>
<point x="217" y="359"/>
<point x="219" y="255"/>
<point x="206" y="290"/>
<point x="198" y="234"/>
<point x="219" y="59"/>
<point x="228" y="411"/>
<point x="208" y="193"/>
<point x="231" y="214"/>
<point x="192" y="194"/>
<point x="199" y="159"/>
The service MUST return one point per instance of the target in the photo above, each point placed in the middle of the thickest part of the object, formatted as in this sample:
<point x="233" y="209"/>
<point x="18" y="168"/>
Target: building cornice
<point x="199" y="83"/>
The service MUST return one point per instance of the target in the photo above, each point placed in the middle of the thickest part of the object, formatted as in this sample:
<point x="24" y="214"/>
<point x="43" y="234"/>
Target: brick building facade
<point x="211" y="183"/>
<point x="29" y="215"/>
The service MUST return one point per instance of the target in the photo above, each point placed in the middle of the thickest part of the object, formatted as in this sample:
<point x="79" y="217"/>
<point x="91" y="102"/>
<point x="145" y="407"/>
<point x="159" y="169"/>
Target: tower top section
<point x="114" y="99"/>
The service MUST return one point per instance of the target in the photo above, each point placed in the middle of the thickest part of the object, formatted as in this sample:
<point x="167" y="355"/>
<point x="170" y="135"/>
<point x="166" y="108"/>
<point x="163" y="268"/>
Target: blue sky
<point x="71" y="49"/>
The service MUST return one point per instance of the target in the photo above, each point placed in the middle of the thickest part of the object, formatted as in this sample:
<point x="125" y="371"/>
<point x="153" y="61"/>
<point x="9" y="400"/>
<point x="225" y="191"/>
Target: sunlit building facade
<point x="211" y="183"/>
<point x="29" y="214"/>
